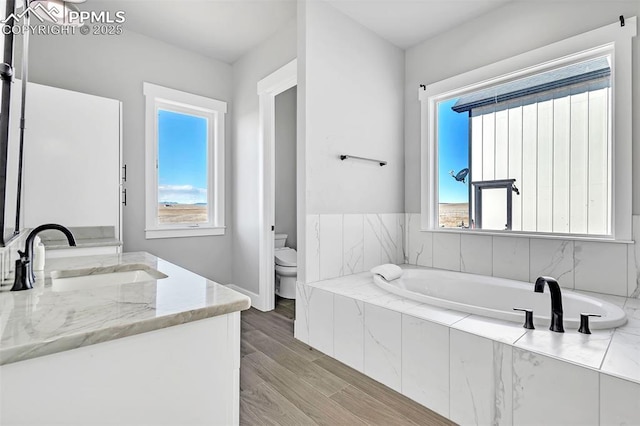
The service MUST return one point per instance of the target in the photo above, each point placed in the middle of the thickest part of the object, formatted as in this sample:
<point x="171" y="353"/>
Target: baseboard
<point x="256" y="301"/>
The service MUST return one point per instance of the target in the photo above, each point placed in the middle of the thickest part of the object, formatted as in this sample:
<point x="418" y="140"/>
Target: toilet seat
<point x="285" y="257"/>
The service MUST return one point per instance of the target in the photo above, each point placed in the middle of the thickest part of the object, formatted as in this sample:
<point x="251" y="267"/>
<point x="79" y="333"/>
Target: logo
<point x="64" y="22"/>
<point x="39" y="12"/>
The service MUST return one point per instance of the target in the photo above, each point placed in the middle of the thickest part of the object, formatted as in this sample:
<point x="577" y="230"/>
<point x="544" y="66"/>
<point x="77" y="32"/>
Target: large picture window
<point x="185" y="164"/>
<point x="537" y="147"/>
<point x="531" y="155"/>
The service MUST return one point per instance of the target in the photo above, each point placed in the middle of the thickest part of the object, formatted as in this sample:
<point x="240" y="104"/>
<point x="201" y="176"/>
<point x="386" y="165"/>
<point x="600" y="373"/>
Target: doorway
<point x="285" y="255"/>
<point x="268" y="88"/>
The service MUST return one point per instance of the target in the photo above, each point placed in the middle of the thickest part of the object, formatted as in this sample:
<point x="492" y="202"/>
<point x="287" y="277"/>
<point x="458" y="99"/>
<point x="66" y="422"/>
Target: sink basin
<point x="102" y="277"/>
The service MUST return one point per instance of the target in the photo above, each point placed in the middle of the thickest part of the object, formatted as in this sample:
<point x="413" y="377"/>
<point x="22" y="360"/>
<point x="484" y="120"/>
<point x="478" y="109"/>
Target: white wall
<point x="351" y="102"/>
<point x="252" y="67"/>
<point x="354" y="105"/>
<point x="115" y="67"/>
<point x="286" y="166"/>
<point x="507" y="31"/>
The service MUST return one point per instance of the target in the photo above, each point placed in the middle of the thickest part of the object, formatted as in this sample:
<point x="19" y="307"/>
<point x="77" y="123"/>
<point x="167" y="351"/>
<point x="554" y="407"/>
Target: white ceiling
<point x="406" y="23"/>
<point x="226" y="29"/>
<point x="220" y="29"/>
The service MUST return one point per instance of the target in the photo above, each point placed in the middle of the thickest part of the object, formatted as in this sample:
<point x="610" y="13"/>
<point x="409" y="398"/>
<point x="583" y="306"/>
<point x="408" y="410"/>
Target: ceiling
<point x="406" y="23"/>
<point x="220" y="29"/>
<point x="226" y="29"/>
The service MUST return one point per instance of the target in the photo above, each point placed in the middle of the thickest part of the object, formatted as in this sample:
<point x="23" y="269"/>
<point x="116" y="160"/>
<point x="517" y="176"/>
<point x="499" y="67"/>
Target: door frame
<point x="269" y="87"/>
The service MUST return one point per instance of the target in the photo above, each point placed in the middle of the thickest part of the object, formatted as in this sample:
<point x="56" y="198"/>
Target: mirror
<point x="11" y="222"/>
<point x="10" y="99"/>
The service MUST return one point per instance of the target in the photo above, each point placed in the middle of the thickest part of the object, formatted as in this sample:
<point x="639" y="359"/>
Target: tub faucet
<point x="24" y="276"/>
<point x="556" y="301"/>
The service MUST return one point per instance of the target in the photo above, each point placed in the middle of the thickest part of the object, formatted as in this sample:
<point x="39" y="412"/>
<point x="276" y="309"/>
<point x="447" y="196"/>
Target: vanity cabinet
<point x="100" y="347"/>
<point x="187" y="374"/>
<point x="72" y="159"/>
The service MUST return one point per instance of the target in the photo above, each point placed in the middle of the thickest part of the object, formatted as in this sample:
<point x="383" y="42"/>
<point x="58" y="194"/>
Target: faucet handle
<point x="528" y="317"/>
<point x="584" y="322"/>
<point x="24" y="259"/>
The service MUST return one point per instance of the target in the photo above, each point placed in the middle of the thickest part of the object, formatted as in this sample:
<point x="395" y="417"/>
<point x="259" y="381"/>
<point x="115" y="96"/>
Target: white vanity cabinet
<point x="188" y="374"/>
<point x="72" y="159"/>
<point x="160" y="351"/>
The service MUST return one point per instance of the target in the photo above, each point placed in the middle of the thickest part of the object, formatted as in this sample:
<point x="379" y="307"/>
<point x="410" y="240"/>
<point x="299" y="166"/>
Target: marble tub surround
<point x="597" y="266"/>
<point x="86" y="236"/>
<point x="41" y="322"/>
<point x="345" y="244"/>
<point x="585" y="350"/>
<point x="472" y="369"/>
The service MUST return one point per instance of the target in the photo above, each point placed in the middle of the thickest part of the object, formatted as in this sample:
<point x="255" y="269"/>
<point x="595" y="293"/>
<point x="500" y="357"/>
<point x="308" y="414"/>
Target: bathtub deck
<point x="284" y="381"/>
<point x="473" y="369"/>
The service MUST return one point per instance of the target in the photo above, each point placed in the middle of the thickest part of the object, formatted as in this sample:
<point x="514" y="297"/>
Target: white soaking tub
<point x="496" y="297"/>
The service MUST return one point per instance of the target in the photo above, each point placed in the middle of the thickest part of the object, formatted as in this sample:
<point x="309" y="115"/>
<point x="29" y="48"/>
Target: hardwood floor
<point x="286" y="307"/>
<point x="285" y="382"/>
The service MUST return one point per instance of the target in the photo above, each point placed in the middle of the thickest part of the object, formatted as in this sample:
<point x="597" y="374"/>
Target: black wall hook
<point x="622" y="20"/>
<point x="423" y="87"/>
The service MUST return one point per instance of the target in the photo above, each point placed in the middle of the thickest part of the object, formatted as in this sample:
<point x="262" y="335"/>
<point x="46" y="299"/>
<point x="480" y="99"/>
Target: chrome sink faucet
<point x="556" y="301"/>
<point x="24" y="276"/>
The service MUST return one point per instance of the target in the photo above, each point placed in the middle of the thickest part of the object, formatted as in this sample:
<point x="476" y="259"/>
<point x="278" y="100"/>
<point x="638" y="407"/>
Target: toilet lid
<point x="285" y="257"/>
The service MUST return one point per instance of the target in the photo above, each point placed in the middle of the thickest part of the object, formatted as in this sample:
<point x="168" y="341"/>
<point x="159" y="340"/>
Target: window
<point x="184" y="164"/>
<point x="527" y="144"/>
<point x="529" y="155"/>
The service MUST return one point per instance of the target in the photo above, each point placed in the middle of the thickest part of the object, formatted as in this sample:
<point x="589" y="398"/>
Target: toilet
<point x="286" y="268"/>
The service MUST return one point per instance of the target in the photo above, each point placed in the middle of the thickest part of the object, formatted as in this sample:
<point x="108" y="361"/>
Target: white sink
<point x="102" y="277"/>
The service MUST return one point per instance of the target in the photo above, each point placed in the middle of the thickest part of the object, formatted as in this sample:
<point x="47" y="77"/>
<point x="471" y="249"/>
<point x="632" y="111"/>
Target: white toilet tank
<point x="280" y="240"/>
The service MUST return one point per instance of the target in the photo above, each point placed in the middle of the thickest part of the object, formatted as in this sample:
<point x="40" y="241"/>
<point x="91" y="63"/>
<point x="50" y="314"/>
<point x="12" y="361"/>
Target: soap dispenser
<point x="39" y="255"/>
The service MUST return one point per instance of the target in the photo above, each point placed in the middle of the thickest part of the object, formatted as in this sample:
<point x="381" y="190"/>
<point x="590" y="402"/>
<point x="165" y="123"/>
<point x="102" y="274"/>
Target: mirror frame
<point x="7" y="74"/>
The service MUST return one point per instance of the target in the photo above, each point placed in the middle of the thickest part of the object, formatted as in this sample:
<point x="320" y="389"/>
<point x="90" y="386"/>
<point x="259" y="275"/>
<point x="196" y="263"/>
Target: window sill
<point x="516" y="234"/>
<point x="151" y="234"/>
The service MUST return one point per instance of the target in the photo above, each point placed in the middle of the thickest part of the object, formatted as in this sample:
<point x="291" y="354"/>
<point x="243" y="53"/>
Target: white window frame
<point x="612" y="39"/>
<point x="159" y="97"/>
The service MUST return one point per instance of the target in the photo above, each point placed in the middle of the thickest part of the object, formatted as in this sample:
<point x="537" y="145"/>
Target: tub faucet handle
<point x="528" y="318"/>
<point x="584" y="322"/>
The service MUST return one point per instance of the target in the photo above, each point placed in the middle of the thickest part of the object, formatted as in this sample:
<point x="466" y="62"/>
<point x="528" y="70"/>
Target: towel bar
<point x="344" y="157"/>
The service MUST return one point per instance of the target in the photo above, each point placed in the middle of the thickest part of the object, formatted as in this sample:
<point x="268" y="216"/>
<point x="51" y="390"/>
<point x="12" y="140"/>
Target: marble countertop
<point x="42" y="321"/>
<point x="615" y="352"/>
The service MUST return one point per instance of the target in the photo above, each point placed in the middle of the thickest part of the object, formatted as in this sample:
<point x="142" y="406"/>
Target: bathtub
<point x="496" y="297"/>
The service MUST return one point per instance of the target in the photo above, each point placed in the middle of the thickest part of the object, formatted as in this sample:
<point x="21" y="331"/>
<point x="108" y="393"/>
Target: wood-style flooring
<point x="285" y="382"/>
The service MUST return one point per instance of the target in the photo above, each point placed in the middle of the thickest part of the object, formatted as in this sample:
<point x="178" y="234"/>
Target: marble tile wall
<point x="345" y="244"/>
<point x="618" y="401"/>
<point x="382" y="345"/>
<point x="422" y="365"/>
<point x="538" y="383"/>
<point x="603" y="267"/>
<point x="481" y="380"/>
